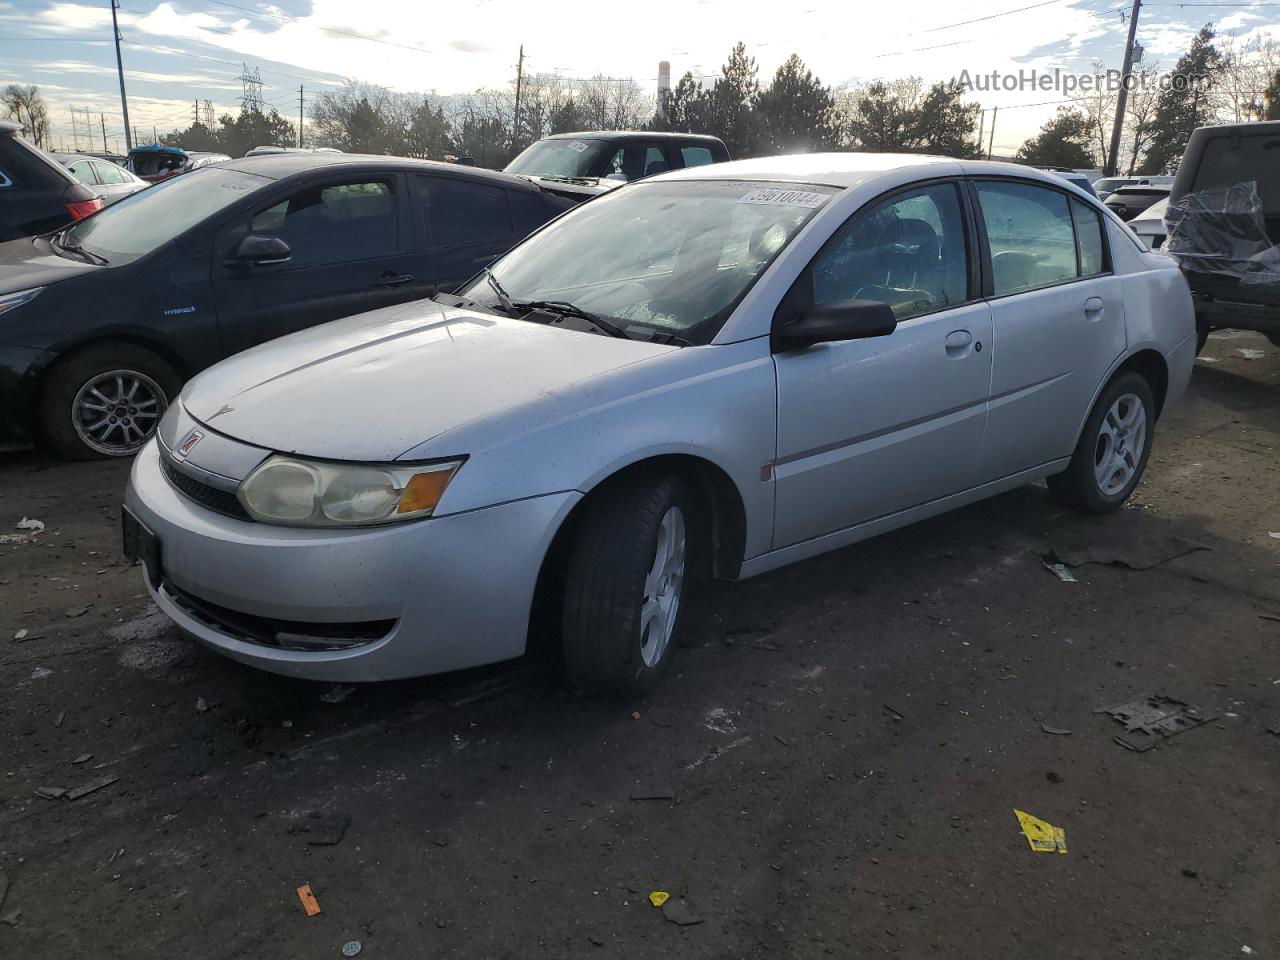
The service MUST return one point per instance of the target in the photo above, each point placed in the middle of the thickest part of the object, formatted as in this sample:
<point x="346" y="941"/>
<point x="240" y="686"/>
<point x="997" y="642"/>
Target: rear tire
<point x="1113" y="449"/>
<point x="626" y="590"/>
<point x="105" y="401"/>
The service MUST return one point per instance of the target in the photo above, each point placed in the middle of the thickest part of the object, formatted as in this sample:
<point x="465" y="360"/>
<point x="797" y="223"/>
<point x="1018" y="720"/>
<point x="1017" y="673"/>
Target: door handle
<point x="390" y="279"/>
<point x="1093" y="308"/>
<point x="957" y="343"/>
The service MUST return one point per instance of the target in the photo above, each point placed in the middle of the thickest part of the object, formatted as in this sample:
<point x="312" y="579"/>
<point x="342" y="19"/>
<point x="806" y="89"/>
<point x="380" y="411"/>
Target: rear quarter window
<point x="27" y="168"/>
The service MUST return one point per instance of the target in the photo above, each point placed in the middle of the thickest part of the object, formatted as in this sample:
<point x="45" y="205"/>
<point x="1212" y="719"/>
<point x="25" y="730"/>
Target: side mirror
<point x="839" y="320"/>
<point x="257" y="250"/>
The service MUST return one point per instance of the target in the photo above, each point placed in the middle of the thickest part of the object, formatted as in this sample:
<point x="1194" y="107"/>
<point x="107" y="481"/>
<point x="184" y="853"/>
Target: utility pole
<point x="155" y="137"/>
<point x="196" y="103"/>
<point x="982" y="122"/>
<point x="300" y="101"/>
<point x="992" y="141"/>
<point x="124" y="101"/>
<point x="103" y="120"/>
<point x="515" y="124"/>
<point x="1123" y="96"/>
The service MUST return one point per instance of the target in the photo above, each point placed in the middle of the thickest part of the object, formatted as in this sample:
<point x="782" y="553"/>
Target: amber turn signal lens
<point x="423" y="491"/>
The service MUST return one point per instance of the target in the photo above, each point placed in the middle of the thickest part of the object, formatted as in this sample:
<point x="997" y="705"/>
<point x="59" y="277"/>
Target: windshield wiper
<point x="60" y="240"/>
<point x="503" y="298"/>
<point x="565" y="308"/>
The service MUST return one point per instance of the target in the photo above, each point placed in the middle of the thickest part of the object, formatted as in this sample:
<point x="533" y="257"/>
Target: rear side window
<point x="109" y="173"/>
<point x="696" y="156"/>
<point x="1255" y="158"/>
<point x="26" y="168"/>
<point x="83" y="170"/>
<point x="1088" y="239"/>
<point x="461" y="211"/>
<point x="1030" y="232"/>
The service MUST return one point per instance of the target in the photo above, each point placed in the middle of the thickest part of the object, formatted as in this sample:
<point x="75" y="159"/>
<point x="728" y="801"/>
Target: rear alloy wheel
<point x="1112" y="453"/>
<point x="106" y="401"/>
<point x="627" y="584"/>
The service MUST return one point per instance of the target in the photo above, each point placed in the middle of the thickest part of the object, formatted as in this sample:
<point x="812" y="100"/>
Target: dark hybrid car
<point x="581" y="165"/>
<point x="101" y="322"/>
<point x="1219" y="161"/>
<point x="36" y="193"/>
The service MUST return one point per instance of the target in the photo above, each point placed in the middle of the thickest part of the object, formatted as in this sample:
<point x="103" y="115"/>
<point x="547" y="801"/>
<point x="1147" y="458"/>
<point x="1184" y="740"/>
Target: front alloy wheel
<point x="116" y="411"/>
<point x="627" y="581"/>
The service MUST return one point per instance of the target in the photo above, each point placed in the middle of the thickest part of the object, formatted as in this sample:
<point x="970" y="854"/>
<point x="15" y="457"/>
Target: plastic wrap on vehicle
<point x="1223" y="231"/>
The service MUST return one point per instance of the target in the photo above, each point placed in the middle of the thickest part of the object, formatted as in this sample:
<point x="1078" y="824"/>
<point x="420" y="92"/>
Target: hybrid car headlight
<point x="10" y="300"/>
<point x="307" y="493"/>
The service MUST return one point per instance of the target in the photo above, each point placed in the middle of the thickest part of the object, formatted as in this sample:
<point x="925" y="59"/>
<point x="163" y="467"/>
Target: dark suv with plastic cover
<point x="1224" y="226"/>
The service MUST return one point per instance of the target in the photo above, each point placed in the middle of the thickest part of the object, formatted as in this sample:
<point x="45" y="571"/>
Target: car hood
<point x="374" y="386"/>
<point x="30" y="262"/>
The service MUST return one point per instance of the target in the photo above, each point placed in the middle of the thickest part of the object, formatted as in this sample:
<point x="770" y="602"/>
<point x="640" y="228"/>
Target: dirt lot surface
<point x="837" y="755"/>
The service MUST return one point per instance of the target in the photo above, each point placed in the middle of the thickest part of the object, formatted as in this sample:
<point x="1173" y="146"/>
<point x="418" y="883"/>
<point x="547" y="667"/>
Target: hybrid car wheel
<point x="1112" y="453"/>
<point x="106" y="401"/>
<point x="627" y="584"/>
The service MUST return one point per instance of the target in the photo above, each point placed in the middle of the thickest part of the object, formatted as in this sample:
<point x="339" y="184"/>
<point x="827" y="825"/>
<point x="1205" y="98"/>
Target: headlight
<point x="10" y="300"/>
<point x="305" y="493"/>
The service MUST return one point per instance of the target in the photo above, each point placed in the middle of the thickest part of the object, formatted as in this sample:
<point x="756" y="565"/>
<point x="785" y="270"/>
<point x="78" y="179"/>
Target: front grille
<point x="282" y="634"/>
<point x="219" y="501"/>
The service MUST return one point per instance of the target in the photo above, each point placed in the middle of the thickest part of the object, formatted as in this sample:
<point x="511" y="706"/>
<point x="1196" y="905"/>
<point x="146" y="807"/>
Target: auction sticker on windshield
<point x="787" y="198"/>
<point x="578" y="145"/>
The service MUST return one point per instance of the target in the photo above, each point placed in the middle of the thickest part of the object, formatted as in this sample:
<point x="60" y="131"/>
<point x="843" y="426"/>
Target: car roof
<point x="279" y="165"/>
<point x="633" y="135"/>
<point x="846" y="169"/>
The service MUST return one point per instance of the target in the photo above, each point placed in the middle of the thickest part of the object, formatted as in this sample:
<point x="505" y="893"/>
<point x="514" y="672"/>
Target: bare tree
<point x="26" y="106"/>
<point x="1248" y="67"/>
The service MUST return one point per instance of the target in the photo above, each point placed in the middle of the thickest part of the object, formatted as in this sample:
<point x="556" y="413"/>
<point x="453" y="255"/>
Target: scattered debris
<point x="1251" y="353"/>
<point x="39" y="673"/>
<point x="1137" y="551"/>
<point x="337" y="694"/>
<point x="594" y="940"/>
<point x="322" y="829"/>
<point x="1208" y="359"/>
<point x="10" y="919"/>
<point x="1060" y="571"/>
<point x="74" y="612"/>
<point x="20" y="635"/>
<point x="1148" y="720"/>
<point x="1268" y="616"/>
<point x="757" y="638"/>
<point x="1043" y="837"/>
<point x="654" y="792"/>
<point x="93" y="785"/>
<point x="309" y="903"/>
<point x="4" y="887"/>
<point x="1054" y="777"/>
<point x="896" y="714"/>
<point x="1246" y="948"/>
<point x="352" y="948"/>
<point x="1190" y="874"/>
<point x="716" y="752"/>
<point x="680" y="913"/>
<point x="83" y="758"/>
<point x="659" y="897"/>
<point x="1273" y="535"/>
<point x="33" y="525"/>
<point x="51" y="793"/>
<point x="1056" y="731"/>
<point x="720" y="720"/>
<point x="202" y="705"/>
<point x="61" y="719"/>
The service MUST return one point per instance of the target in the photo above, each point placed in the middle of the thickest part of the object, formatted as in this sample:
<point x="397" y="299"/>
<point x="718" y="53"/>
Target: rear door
<point x="468" y="223"/>
<point x="351" y="250"/>
<point x="1058" y="320"/>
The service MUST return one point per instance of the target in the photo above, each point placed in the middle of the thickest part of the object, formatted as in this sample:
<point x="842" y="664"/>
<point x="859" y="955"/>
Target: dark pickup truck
<point x="1224" y="226"/>
<point x="583" y="165"/>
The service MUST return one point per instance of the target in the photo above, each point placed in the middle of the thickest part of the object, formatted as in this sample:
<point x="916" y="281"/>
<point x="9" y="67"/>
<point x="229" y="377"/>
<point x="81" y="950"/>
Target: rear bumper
<point x="1217" y="312"/>
<point x="19" y="368"/>
<point x="420" y="597"/>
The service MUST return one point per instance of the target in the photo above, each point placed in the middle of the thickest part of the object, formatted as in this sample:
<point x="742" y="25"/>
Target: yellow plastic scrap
<point x="659" y="897"/>
<point x="1043" y="837"/>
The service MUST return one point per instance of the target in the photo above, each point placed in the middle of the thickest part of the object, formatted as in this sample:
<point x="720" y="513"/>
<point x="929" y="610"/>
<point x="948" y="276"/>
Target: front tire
<point x="105" y="401"/>
<point x="626" y="589"/>
<point x="1113" y="449"/>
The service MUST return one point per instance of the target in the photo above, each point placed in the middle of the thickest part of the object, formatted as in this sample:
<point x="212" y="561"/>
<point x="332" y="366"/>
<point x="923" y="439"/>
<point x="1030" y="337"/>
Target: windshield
<point x="660" y="258"/>
<point x="143" y="221"/>
<point x="558" y="158"/>
<point x="1111" y="183"/>
<point x="1154" y="212"/>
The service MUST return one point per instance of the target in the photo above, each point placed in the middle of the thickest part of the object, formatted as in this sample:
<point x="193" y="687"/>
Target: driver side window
<point x="907" y="251"/>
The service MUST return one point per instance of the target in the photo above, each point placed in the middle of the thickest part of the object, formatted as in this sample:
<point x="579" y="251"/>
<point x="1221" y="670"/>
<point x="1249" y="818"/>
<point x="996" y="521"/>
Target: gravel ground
<point x="837" y="755"/>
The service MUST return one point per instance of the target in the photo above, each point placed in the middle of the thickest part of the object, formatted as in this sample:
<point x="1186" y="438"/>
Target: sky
<point x="178" y="51"/>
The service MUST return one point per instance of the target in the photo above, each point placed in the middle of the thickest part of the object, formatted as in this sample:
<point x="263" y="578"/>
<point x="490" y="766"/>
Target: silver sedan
<point x="715" y="372"/>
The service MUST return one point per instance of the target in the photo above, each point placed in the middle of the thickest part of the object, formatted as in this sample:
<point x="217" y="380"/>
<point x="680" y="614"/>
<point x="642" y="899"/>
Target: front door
<point x="870" y="427"/>
<point x="350" y="250"/>
<point x="1058" y="316"/>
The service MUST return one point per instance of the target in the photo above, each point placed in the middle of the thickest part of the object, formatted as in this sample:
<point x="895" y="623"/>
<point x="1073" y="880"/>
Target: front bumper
<point x="19" y="369"/>
<point x="452" y="591"/>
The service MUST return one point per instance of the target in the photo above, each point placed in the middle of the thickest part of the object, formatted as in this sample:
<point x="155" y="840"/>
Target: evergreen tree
<point x="427" y="135"/>
<point x="565" y="117"/>
<point x="944" y="123"/>
<point x="1183" y="104"/>
<point x="732" y="100"/>
<point x="795" y="112"/>
<point x="1061" y="142"/>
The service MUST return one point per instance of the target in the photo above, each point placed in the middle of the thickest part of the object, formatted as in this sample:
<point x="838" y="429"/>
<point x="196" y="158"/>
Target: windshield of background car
<point x="1112" y="183"/>
<point x="558" y="158"/>
<point x="146" y="220"/>
<point x="659" y="258"/>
